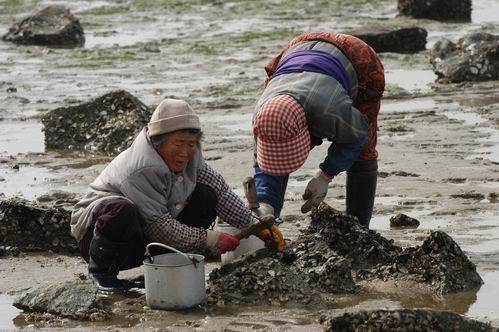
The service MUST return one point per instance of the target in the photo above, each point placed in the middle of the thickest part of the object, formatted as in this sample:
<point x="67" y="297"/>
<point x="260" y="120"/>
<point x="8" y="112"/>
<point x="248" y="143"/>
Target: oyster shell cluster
<point x="106" y="125"/>
<point x="333" y="256"/>
<point x="418" y="320"/>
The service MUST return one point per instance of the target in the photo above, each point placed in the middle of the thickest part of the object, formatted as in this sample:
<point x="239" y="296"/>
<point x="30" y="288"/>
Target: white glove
<point x="315" y="192"/>
<point x="265" y="209"/>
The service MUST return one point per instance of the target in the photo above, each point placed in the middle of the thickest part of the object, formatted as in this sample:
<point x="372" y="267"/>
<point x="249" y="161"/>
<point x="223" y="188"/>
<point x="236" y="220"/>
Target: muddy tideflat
<point x="437" y="143"/>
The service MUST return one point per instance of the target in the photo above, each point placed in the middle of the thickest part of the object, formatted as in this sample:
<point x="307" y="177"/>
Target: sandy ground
<point x="438" y="147"/>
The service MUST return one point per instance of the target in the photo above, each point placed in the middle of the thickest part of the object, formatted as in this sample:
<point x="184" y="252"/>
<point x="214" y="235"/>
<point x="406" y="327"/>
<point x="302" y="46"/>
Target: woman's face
<point x="178" y="149"/>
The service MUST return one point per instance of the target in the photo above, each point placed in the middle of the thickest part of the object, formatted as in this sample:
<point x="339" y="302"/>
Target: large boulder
<point x="106" y="125"/>
<point x="442" y="10"/>
<point x="394" y="39"/>
<point x="29" y="226"/>
<point x="474" y="57"/>
<point x="52" y="26"/>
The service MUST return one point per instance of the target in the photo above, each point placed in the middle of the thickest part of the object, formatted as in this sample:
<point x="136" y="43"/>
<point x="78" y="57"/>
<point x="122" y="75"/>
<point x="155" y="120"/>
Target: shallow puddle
<point x="468" y="118"/>
<point x="490" y="152"/>
<point x="27" y="181"/>
<point x="487" y="302"/>
<point x="119" y="37"/>
<point x="21" y="137"/>
<point x="419" y="81"/>
<point x="484" y="11"/>
<point x="410" y="105"/>
<point x="480" y="101"/>
<point x="231" y="122"/>
<point x="7" y="312"/>
<point x="481" y="236"/>
<point x="381" y="222"/>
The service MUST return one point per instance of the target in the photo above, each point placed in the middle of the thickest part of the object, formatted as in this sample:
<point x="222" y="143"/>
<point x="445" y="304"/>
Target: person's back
<point x="337" y="82"/>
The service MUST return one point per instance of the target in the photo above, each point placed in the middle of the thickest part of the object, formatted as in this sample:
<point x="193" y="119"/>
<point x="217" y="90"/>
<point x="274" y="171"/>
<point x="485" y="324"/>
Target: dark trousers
<point x="118" y="221"/>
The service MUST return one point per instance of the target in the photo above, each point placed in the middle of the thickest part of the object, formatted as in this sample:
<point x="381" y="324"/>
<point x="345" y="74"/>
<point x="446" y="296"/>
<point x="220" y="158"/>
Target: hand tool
<point x="250" y="192"/>
<point x="255" y="228"/>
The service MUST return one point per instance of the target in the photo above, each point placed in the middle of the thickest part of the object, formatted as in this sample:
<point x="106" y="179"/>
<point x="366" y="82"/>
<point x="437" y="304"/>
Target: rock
<point x="469" y="195"/>
<point x="341" y="230"/>
<point x="474" y="57"/>
<point x="330" y="257"/>
<point x="404" y="320"/>
<point x="59" y="198"/>
<point x="442" y="263"/>
<point x="73" y="299"/>
<point x="52" y="26"/>
<point x="8" y="250"/>
<point x="106" y="125"/>
<point x="442" y="49"/>
<point x="493" y="198"/>
<point x="382" y="174"/>
<point x="439" y="263"/>
<point x="35" y="227"/>
<point x="402" y="220"/>
<point x="394" y="39"/>
<point x="320" y="261"/>
<point x="262" y="279"/>
<point x="436" y="9"/>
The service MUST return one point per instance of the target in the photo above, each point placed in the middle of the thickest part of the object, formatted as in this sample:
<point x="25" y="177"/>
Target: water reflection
<point x="7" y="312"/>
<point x="411" y="80"/>
<point x="21" y="137"/>
<point x="485" y="307"/>
<point x="26" y="181"/>
<point x="232" y="122"/>
<point x="485" y="11"/>
<point x="459" y="302"/>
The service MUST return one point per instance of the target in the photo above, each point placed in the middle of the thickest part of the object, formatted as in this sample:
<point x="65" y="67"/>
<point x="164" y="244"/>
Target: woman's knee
<point x="200" y="210"/>
<point x="118" y="219"/>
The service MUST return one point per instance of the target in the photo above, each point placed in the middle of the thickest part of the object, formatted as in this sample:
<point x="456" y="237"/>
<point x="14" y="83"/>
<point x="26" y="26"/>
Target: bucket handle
<point x="194" y="260"/>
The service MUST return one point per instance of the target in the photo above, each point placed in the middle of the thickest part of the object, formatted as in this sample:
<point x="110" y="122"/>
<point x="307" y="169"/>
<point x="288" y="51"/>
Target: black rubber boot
<point x="361" y="190"/>
<point x="104" y="263"/>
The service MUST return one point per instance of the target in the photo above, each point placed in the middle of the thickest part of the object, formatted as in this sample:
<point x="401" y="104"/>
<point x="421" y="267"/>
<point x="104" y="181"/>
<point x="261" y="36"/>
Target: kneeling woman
<point x="158" y="190"/>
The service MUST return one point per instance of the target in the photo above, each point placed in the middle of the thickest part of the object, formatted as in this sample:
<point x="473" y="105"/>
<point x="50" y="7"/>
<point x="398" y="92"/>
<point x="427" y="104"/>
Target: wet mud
<point x="315" y="270"/>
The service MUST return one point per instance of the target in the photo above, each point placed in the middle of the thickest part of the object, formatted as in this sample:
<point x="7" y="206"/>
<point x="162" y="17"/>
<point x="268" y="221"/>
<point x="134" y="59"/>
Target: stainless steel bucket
<point x="175" y="280"/>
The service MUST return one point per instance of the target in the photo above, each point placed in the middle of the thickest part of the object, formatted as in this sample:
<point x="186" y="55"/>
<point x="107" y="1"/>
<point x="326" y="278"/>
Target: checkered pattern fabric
<point x="230" y="208"/>
<point x="282" y="137"/>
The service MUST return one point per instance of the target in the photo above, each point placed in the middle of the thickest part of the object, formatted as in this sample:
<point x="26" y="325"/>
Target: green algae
<point x="278" y="34"/>
<point x="14" y="7"/>
<point x="105" y="10"/>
